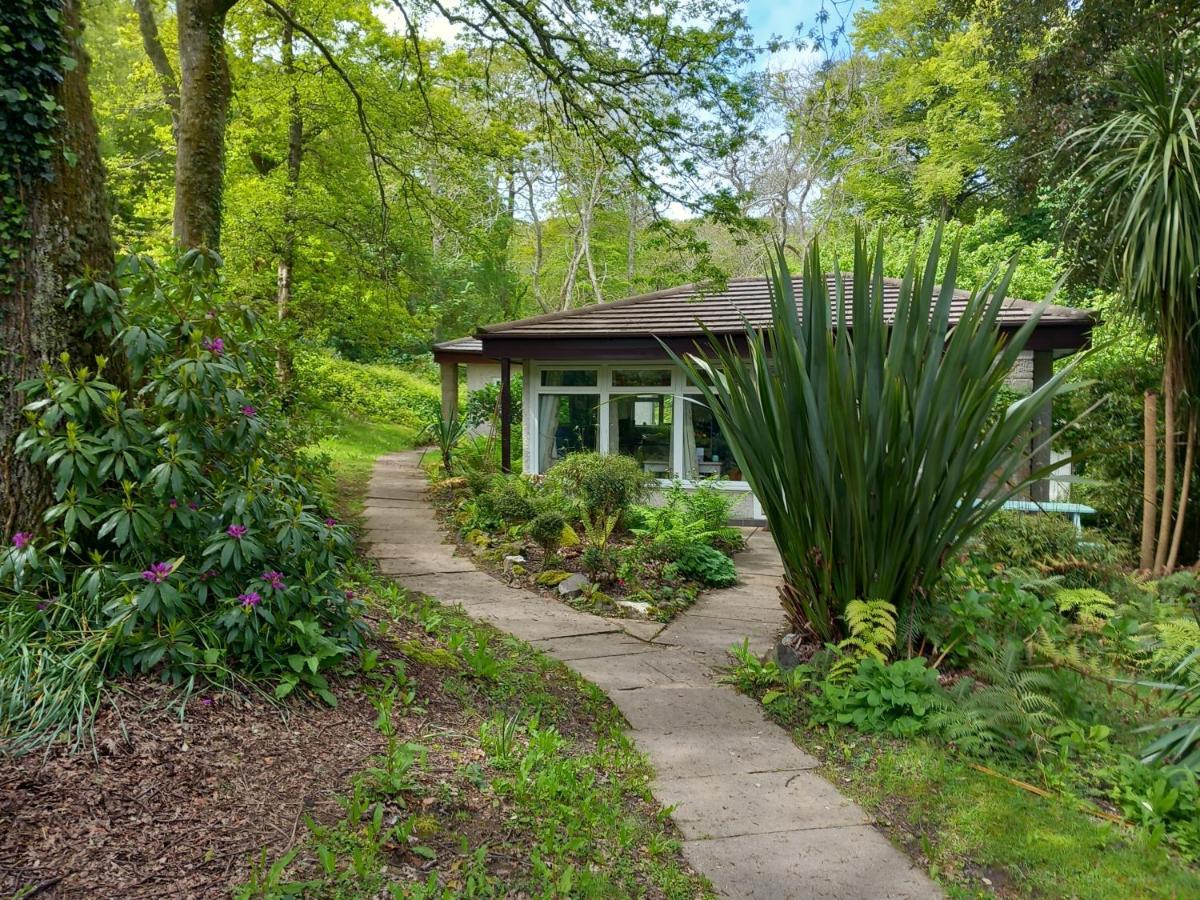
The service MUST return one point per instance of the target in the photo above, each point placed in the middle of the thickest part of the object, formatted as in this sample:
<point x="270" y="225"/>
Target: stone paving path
<point x="754" y="816"/>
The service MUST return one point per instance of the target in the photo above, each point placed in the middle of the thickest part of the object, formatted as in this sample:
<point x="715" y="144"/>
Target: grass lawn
<point x="981" y="835"/>
<point x="352" y="448"/>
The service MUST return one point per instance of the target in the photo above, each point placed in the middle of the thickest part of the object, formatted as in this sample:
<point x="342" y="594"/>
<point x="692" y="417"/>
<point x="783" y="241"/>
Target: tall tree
<point x="54" y="223"/>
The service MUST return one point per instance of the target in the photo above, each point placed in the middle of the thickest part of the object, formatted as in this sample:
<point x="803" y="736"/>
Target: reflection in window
<point x="569" y="378"/>
<point x="639" y="425"/>
<point x="641" y="378"/>
<point x="706" y="453"/>
<point x="567" y="423"/>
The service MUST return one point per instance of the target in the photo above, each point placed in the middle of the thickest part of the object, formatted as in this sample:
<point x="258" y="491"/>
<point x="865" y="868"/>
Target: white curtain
<point x="614" y="425"/>
<point x="690" y="469"/>
<point x="547" y="429"/>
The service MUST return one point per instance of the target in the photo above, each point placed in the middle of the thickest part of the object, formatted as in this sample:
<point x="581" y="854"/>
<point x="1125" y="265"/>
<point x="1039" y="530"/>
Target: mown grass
<point x="973" y="826"/>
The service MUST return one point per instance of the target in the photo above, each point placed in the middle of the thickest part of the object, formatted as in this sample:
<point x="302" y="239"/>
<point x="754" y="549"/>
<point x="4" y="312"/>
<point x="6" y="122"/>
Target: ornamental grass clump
<point x="182" y="538"/>
<point x="874" y="449"/>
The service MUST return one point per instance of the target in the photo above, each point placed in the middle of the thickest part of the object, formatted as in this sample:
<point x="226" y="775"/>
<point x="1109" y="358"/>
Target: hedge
<point x="375" y="391"/>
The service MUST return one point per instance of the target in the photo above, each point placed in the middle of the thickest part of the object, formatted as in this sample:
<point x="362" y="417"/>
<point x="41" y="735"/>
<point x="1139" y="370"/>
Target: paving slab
<point x="728" y="805"/>
<point x="675" y="706"/>
<point x="391" y="492"/>
<point x="723" y="749"/>
<point x="621" y="673"/>
<point x="390" y="503"/>
<point x="642" y="629"/>
<point x="591" y="646"/>
<point x="532" y="623"/>
<point x="711" y="637"/>
<point x="427" y="563"/>
<point x="845" y="863"/>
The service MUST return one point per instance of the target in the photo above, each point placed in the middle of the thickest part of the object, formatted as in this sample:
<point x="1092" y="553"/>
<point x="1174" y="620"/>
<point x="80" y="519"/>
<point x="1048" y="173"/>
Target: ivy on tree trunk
<point x="56" y="220"/>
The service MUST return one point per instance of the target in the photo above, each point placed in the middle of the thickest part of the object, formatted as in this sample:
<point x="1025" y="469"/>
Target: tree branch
<point x="158" y="59"/>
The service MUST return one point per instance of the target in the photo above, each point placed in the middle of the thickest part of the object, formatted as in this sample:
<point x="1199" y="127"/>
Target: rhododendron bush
<point x="183" y="538"/>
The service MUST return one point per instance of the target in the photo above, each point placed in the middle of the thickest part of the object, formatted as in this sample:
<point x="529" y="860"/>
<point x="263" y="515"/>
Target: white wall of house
<point x="480" y="375"/>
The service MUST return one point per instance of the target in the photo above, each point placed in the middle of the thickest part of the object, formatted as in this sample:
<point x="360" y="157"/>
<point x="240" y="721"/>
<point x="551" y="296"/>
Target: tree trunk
<point x="1189" y="459"/>
<point x="1149" y="477"/>
<point x="1168" y="482"/>
<point x="295" y="155"/>
<point x="158" y="59"/>
<point x="203" y="111"/>
<point x="66" y="218"/>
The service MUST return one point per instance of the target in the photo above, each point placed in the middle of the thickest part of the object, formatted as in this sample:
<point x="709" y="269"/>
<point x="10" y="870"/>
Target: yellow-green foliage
<point x="1085" y="605"/>
<point x="1176" y="640"/>
<point x="373" y="391"/>
<point x="872" y="625"/>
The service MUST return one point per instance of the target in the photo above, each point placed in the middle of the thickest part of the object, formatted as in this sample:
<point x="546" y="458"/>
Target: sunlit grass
<point x="352" y="448"/>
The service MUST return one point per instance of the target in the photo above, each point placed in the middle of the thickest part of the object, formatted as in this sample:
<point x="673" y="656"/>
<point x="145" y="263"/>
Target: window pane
<point x="639" y="425"/>
<point x="641" y="378"/>
<point x="706" y="453"/>
<point x="567" y="423"/>
<point x="569" y="378"/>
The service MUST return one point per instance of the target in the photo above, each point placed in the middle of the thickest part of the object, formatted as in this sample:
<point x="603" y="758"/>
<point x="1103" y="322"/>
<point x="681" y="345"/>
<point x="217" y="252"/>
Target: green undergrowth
<point x="981" y="834"/>
<point x="352" y="446"/>
<point x="503" y="775"/>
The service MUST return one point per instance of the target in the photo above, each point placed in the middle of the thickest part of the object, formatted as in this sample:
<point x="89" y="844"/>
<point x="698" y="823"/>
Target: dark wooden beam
<point x="506" y="415"/>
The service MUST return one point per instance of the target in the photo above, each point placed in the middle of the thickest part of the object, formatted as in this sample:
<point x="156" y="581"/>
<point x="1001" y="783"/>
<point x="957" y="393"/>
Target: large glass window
<point x="567" y="423"/>
<point x="706" y="453"/>
<point x="639" y="425"/>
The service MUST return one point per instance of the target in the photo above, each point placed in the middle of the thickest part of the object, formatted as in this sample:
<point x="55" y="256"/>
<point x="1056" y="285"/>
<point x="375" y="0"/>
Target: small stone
<point x="572" y="585"/>
<point x="512" y="561"/>
<point x="637" y="607"/>
<point x="786" y="655"/>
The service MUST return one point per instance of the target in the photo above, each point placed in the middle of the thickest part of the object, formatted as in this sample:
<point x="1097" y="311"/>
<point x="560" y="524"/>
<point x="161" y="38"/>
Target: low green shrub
<point x="546" y="530"/>
<point x="896" y="698"/>
<point x="375" y="391"/>
<point x="508" y="500"/>
<point x="702" y="563"/>
<point x="1085" y="605"/>
<point x="483" y="405"/>
<point x="604" y="485"/>
<point x="182" y="538"/>
<point x="688" y="516"/>
<point x="1048" y="544"/>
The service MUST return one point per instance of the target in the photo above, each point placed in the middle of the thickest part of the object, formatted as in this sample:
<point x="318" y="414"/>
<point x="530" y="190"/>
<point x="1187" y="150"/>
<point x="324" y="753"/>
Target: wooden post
<point x="506" y="415"/>
<point x="449" y="390"/>
<point x="1149" y="478"/>
<point x="1043" y="425"/>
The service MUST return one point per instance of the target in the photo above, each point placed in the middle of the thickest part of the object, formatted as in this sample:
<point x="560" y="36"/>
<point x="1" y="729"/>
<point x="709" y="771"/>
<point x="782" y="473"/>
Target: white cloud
<point x="433" y="26"/>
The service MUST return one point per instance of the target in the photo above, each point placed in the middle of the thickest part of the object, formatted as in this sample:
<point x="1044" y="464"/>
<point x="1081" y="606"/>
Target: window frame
<point x="678" y="389"/>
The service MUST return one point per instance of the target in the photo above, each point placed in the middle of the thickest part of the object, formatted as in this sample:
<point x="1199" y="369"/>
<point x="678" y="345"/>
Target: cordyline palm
<point x="1143" y="165"/>
<point x="876" y="450"/>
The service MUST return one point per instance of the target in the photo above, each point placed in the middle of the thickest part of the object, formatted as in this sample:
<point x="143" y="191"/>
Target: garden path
<point x="755" y="816"/>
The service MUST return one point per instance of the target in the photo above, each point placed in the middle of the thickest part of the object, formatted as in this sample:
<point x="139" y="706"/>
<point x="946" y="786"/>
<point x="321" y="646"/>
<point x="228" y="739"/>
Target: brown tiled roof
<point x="681" y="311"/>
<point x="461" y="345"/>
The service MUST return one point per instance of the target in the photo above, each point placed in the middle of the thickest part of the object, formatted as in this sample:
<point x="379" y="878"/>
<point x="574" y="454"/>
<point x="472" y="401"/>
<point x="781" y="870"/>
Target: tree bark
<point x="1149" y="477"/>
<point x="295" y="156"/>
<point x="158" y="59"/>
<point x="66" y="217"/>
<point x="1168" y="481"/>
<point x="1189" y="459"/>
<point x="203" y="113"/>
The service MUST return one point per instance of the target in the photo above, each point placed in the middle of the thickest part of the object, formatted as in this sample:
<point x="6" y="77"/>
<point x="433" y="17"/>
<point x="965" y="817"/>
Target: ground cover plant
<point x="586" y="517"/>
<point x="1033" y="735"/>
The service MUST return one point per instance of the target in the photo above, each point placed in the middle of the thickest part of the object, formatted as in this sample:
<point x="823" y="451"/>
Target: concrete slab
<point x="621" y="673"/>
<point x="400" y="520"/>
<point x="681" y="666"/>
<point x="431" y="563"/>
<point x="822" y="864"/>
<point x="591" y="646"/>
<point x="388" y="503"/>
<point x="642" y="629"/>
<point x="390" y="492"/>
<point x="713" y="636"/>
<point x="658" y="708"/>
<point x="469" y="589"/>
<point x="723" y="749"/>
<point x="531" y="622"/>
<point x="728" y="805"/>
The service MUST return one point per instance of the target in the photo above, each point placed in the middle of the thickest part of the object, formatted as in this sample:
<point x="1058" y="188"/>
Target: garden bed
<point x="449" y="739"/>
<point x="580" y="536"/>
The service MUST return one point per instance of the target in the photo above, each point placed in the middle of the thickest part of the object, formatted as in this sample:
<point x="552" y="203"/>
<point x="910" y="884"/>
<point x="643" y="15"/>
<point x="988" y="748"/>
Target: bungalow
<point x="597" y="378"/>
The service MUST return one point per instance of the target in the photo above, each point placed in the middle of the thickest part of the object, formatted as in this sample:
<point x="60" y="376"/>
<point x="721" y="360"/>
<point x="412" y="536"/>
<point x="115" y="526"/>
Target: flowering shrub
<point x="182" y="537"/>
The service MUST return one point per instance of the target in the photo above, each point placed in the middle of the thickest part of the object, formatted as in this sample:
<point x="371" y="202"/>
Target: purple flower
<point x="249" y="411"/>
<point x="250" y="598"/>
<point x="275" y="580"/>
<point x="215" y="346"/>
<point x="350" y="595"/>
<point x="210" y="574"/>
<point x="21" y="539"/>
<point x="157" y="573"/>
<point x="206" y="701"/>
<point x="236" y="531"/>
<point x="193" y="505"/>
<point x="331" y="522"/>
<point x="173" y="503"/>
